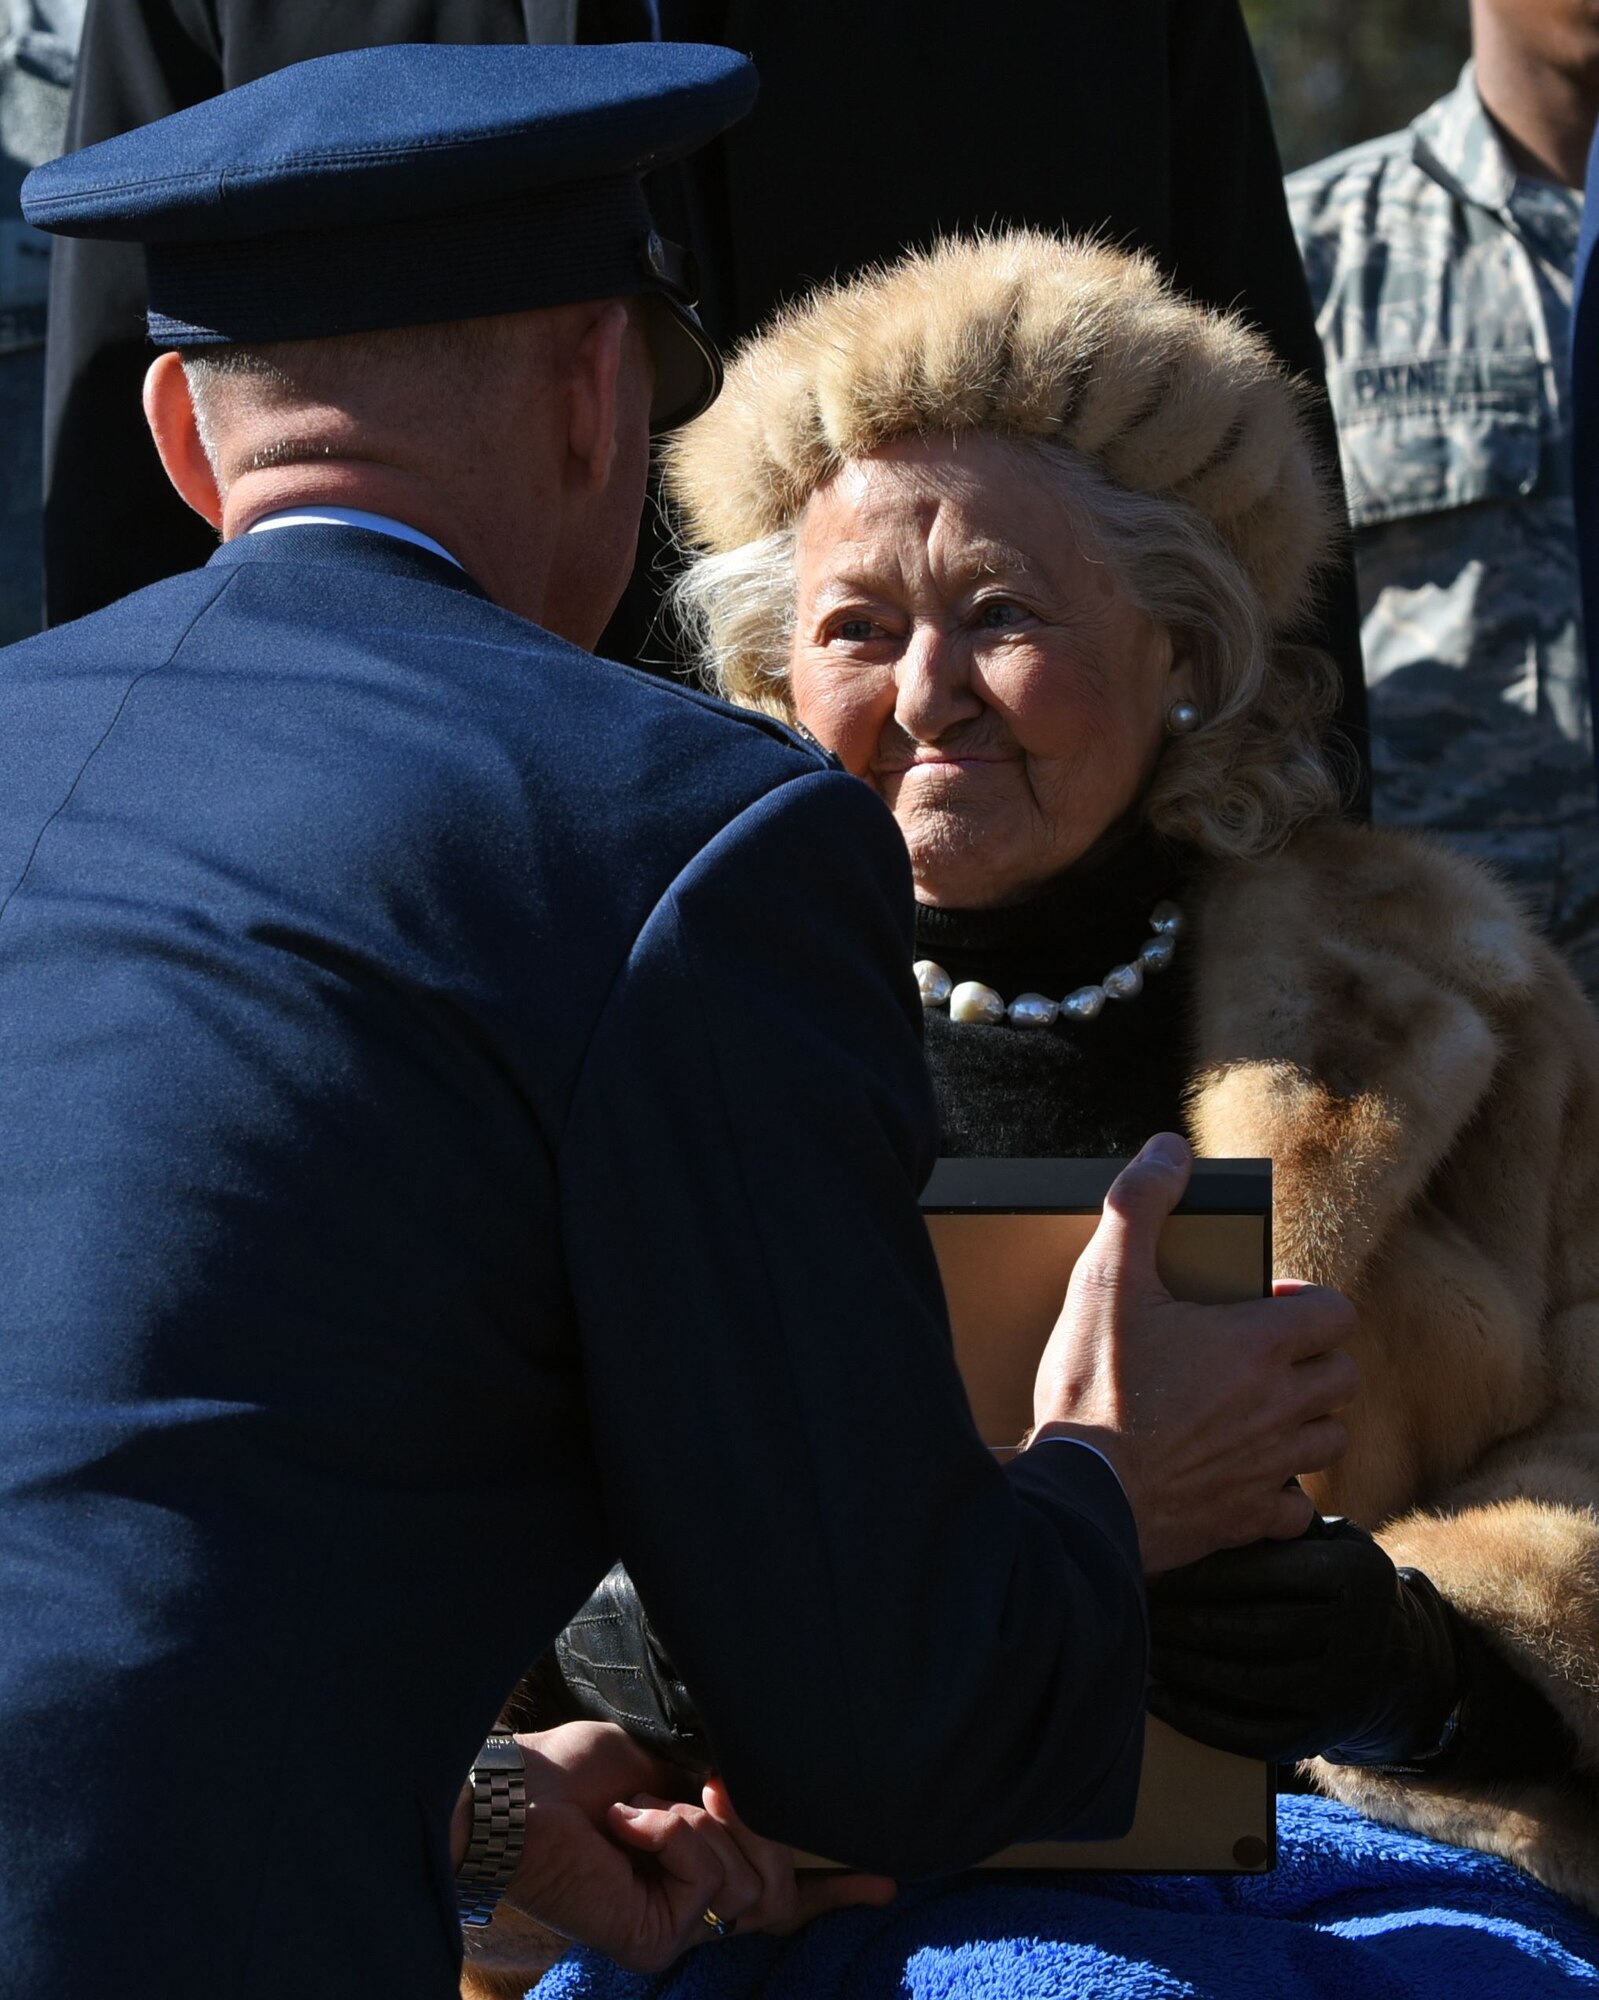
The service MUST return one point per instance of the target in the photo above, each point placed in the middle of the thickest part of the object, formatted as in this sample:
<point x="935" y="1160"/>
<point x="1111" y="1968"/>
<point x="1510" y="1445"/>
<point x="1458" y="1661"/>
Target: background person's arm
<point x="112" y="522"/>
<point x="1232" y="245"/>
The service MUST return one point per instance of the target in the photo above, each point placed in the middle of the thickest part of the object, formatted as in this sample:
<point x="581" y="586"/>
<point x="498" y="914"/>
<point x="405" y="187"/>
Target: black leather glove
<point x="1311" y="1647"/>
<point x="616" y="1670"/>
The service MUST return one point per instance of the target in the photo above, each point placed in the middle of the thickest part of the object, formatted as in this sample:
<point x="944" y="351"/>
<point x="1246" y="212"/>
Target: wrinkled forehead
<point x="965" y="466"/>
<point x="960" y="508"/>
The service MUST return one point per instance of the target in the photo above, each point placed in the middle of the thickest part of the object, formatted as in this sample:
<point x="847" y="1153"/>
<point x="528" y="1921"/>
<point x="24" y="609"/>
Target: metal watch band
<point x="476" y="1906"/>
<point x="499" y="1820"/>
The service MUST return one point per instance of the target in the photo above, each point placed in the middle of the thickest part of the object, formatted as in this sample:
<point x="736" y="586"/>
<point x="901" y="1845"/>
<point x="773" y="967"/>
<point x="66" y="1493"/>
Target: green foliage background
<point x="1338" y="71"/>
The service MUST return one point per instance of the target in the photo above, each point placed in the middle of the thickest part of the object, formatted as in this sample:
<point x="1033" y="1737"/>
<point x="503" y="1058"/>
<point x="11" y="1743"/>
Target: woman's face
<point x="987" y="674"/>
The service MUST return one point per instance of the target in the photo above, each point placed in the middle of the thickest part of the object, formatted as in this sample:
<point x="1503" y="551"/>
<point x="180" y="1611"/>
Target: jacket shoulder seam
<point x="138" y="680"/>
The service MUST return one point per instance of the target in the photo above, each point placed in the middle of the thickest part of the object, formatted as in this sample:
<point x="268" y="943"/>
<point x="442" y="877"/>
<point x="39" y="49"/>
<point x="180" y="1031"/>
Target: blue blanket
<point x="1353" y="1911"/>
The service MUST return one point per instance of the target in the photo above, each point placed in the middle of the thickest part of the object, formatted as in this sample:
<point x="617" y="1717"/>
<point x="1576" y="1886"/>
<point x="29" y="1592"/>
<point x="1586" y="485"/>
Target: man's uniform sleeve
<point x="905" y="1658"/>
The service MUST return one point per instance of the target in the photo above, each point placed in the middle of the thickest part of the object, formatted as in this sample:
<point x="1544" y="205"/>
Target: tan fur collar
<point x="1350" y="994"/>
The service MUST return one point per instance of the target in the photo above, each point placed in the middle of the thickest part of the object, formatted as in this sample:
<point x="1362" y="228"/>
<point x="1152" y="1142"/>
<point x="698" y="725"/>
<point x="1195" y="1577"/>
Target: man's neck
<point x="513" y="569"/>
<point x="1545" y="115"/>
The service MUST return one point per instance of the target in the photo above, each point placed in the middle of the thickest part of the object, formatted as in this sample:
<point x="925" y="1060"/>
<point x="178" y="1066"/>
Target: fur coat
<point x="1375" y="1015"/>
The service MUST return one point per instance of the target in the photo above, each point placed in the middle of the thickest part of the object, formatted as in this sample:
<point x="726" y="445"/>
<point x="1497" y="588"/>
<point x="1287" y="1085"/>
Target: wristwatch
<point x="499" y="1821"/>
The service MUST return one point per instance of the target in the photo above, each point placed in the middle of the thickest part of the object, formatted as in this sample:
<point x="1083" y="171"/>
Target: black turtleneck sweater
<point x="1080" y="1089"/>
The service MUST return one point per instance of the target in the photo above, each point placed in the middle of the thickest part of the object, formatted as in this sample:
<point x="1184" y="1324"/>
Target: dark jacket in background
<point x="877" y="126"/>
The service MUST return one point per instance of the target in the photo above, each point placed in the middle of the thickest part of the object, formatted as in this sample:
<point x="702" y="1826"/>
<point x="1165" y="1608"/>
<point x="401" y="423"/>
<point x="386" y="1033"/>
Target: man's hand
<point x="612" y="1862"/>
<point x="1206" y="1412"/>
<point x="781" y="1899"/>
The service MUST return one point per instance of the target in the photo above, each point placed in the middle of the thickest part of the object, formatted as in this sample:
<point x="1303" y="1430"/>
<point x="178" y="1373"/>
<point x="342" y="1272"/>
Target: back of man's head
<point x="275" y="403"/>
<point x="519" y="441"/>
<point x="425" y="274"/>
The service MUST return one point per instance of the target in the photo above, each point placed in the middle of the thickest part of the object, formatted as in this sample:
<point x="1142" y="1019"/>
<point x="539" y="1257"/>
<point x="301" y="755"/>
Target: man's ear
<point x="598" y="403"/>
<point x="169" y="411"/>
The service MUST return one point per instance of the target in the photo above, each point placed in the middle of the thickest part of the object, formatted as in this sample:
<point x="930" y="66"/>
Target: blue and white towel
<point x="1353" y="1911"/>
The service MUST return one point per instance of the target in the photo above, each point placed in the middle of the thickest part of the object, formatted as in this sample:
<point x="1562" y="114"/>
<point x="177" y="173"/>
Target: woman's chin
<point x="974" y="885"/>
<point x="967" y="868"/>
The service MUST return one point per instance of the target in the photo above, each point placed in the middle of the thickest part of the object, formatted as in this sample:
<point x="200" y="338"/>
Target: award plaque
<point x="1006" y="1234"/>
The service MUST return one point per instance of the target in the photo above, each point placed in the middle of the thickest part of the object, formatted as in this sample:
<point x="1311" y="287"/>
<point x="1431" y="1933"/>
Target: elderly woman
<point x="1022" y="537"/>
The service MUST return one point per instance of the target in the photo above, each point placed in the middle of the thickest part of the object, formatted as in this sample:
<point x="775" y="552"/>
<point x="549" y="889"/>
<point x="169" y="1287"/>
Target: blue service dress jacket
<point x="461" y="1110"/>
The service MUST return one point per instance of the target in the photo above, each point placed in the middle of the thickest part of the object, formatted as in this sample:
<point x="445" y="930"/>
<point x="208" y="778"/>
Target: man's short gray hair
<point x="272" y="375"/>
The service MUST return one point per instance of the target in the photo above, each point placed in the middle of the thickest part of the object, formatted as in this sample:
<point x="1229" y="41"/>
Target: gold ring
<point x="719" y="1925"/>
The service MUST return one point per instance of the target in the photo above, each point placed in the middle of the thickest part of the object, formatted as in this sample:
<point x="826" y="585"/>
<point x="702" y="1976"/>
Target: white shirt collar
<point x="350" y="517"/>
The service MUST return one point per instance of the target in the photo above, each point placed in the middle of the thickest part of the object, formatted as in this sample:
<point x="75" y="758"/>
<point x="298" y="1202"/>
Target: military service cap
<point x="395" y="186"/>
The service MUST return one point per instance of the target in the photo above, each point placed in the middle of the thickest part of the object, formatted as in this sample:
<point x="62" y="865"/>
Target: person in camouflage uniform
<point x="1440" y="264"/>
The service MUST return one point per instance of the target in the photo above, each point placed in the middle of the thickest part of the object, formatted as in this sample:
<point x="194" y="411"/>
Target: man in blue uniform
<point x="461" y="1111"/>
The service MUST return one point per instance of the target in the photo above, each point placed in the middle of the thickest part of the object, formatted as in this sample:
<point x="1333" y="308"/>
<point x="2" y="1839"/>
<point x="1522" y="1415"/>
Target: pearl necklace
<point x="973" y="1002"/>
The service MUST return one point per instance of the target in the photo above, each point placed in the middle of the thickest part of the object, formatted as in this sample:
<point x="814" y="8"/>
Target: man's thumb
<point x="1141" y="1197"/>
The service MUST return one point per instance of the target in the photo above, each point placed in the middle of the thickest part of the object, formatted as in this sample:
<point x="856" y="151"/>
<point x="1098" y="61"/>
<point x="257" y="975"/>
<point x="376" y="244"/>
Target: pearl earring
<point x="1182" y="718"/>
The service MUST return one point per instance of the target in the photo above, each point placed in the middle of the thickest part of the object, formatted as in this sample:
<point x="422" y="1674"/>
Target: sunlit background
<point x="1338" y="71"/>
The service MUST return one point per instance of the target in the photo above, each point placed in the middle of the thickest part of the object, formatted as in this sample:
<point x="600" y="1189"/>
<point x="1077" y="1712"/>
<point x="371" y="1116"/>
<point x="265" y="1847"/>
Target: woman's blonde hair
<point x="1174" y="437"/>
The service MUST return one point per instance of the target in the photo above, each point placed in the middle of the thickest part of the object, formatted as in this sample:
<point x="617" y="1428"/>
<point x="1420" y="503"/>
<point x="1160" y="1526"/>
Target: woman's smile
<point x="959" y="757"/>
<point x="939" y="761"/>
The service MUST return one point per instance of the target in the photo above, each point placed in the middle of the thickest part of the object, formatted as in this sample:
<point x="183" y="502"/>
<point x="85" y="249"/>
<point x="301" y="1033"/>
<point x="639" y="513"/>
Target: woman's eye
<point x="998" y="614"/>
<point x="857" y="630"/>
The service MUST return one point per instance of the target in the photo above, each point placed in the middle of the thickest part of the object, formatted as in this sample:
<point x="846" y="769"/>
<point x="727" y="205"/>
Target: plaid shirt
<point x="1442" y="285"/>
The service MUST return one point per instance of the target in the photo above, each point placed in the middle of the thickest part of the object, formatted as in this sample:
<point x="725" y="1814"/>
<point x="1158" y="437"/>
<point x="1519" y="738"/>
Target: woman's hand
<point x="1305" y="1648"/>
<point x="610" y="1861"/>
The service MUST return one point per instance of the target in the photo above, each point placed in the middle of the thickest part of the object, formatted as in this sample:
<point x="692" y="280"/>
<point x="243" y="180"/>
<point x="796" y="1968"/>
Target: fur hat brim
<point x="1024" y="335"/>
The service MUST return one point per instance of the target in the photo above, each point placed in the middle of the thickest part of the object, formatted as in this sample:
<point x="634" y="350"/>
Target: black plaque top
<point x="1079" y="1187"/>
